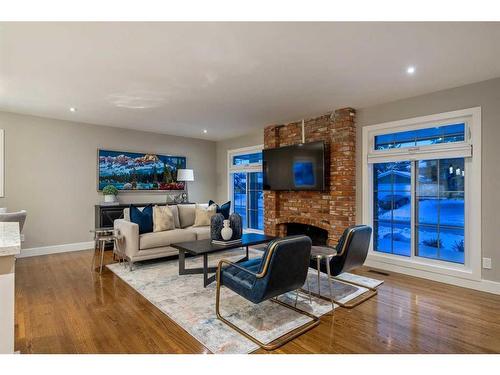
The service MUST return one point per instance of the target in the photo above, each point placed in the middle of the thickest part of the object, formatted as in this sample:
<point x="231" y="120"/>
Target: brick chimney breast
<point x="333" y="209"/>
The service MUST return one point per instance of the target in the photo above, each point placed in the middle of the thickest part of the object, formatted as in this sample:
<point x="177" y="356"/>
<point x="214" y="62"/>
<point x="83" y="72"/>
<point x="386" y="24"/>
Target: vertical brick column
<point x="271" y="198"/>
<point x="342" y="172"/>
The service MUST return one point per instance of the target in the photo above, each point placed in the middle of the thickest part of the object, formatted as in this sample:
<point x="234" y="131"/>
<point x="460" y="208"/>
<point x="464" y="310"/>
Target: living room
<point x="200" y="187"/>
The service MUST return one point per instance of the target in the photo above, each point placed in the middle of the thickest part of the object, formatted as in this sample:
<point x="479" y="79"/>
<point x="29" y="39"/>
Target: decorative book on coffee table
<point x="226" y="243"/>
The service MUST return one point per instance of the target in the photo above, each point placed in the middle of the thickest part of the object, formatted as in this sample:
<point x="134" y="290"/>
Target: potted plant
<point x="110" y="192"/>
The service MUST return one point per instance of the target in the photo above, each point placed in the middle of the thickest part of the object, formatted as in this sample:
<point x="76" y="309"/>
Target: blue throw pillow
<point x="144" y="218"/>
<point x="223" y="209"/>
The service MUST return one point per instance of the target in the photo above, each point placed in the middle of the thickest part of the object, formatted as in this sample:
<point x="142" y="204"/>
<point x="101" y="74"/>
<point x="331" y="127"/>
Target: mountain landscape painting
<point x="137" y="171"/>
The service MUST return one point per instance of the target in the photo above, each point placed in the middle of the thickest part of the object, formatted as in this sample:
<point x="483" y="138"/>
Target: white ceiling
<point x="231" y="78"/>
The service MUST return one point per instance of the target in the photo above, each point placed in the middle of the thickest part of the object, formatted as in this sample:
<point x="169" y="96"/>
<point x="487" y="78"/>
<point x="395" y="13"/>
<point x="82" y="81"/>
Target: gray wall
<point x="487" y="96"/>
<point x="50" y="170"/>
<point x="253" y="139"/>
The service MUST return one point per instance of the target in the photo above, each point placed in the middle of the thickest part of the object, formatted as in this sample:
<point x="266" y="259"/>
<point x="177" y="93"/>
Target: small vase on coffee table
<point x="226" y="231"/>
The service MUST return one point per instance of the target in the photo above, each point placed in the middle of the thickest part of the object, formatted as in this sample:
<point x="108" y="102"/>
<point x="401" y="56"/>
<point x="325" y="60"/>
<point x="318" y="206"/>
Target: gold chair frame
<point x="371" y="292"/>
<point x="283" y="339"/>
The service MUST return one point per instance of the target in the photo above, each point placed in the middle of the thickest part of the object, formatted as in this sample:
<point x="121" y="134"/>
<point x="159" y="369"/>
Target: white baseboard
<point x="64" y="248"/>
<point x="481" y="285"/>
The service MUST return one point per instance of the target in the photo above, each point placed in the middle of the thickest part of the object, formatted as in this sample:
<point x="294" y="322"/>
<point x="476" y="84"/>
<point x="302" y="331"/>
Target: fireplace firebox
<point x="318" y="236"/>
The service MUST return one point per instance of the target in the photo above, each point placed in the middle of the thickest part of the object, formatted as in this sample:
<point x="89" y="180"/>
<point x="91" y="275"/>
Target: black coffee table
<point x="205" y="247"/>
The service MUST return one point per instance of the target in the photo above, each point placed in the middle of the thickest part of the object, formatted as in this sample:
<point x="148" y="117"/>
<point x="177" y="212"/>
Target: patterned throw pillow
<point x="163" y="219"/>
<point x="202" y="215"/>
<point x="144" y="218"/>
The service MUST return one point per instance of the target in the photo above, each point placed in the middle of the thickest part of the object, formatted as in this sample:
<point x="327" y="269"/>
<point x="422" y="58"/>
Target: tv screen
<point x="297" y="167"/>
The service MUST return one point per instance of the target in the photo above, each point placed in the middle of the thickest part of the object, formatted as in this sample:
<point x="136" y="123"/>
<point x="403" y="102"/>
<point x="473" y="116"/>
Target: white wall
<point x="51" y="171"/>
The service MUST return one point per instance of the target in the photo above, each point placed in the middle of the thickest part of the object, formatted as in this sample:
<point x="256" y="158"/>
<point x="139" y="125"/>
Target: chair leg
<point x="328" y="274"/>
<point x="280" y="340"/>
<point x="309" y="290"/>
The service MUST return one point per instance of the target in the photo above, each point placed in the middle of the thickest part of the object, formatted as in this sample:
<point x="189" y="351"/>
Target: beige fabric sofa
<point x="137" y="247"/>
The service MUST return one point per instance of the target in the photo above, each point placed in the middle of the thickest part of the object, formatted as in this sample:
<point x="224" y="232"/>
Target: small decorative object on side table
<point x="101" y="237"/>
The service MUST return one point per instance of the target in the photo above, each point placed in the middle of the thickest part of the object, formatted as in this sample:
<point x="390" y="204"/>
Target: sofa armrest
<point x="129" y="237"/>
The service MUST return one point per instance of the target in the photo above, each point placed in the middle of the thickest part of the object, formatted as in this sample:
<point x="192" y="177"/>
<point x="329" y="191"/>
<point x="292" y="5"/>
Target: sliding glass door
<point x="248" y="199"/>
<point x="245" y="186"/>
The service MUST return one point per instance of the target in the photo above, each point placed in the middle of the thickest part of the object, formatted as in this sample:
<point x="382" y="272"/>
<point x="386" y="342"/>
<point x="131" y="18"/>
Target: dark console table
<point x="105" y="215"/>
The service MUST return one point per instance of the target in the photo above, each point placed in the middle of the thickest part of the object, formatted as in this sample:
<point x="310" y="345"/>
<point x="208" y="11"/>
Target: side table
<point x="101" y="237"/>
<point x="320" y="253"/>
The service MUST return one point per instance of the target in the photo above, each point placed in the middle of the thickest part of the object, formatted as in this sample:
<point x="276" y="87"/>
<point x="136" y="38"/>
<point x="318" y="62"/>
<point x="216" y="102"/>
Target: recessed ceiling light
<point x="410" y="70"/>
<point x="205" y="131"/>
<point x="72" y="109"/>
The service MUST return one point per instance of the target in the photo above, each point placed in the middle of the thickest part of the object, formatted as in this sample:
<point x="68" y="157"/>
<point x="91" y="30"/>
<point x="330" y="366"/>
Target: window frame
<point x="470" y="149"/>
<point x="245" y="168"/>
<point x="440" y="150"/>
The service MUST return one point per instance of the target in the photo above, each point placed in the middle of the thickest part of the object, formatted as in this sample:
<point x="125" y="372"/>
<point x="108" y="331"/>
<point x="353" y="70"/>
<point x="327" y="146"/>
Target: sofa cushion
<point x="166" y="238"/>
<point x="202" y="233"/>
<point x="186" y="214"/>
<point x="175" y="212"/>
<point x="143" y="218"/>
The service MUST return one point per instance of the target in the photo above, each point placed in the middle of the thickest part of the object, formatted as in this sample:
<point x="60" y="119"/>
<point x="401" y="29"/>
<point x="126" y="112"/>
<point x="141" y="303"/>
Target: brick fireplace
<point x="333" y="209"/>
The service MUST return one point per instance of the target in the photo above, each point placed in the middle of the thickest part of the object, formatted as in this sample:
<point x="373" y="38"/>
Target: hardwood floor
<point x="63" y="307"/>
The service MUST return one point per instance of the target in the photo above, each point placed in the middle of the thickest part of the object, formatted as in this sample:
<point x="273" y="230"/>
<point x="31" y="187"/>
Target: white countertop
<point x="10" y="239"/>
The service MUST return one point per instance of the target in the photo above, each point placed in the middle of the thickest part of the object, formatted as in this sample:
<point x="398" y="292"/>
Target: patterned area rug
<point x="189" y="304"/>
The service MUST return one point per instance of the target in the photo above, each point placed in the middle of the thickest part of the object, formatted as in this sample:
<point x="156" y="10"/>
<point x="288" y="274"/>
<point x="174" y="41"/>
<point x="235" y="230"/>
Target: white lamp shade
<point x="185" y="175"/>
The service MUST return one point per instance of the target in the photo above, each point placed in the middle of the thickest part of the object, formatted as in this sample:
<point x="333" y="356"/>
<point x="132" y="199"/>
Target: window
<point x="247" y="159"/>
<point x="421" y="137"/>
<point x="421" y="185"/>
<point x="245" y="186"/>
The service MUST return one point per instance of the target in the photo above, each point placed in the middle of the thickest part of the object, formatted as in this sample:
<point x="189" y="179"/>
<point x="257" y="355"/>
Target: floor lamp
<point x="185" y="175"/>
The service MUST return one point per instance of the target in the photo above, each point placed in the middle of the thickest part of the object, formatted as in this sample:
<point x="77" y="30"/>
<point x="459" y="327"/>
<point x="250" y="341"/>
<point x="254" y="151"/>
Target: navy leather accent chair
<point x="351" y="252"/>
<point x="283" y="268"/>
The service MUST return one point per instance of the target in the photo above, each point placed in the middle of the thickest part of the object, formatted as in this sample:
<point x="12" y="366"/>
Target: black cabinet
<point x="106" y="215"/>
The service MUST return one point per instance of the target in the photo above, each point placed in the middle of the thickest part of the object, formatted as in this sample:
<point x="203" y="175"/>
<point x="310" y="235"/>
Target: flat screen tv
<point x="297" y="167"/>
